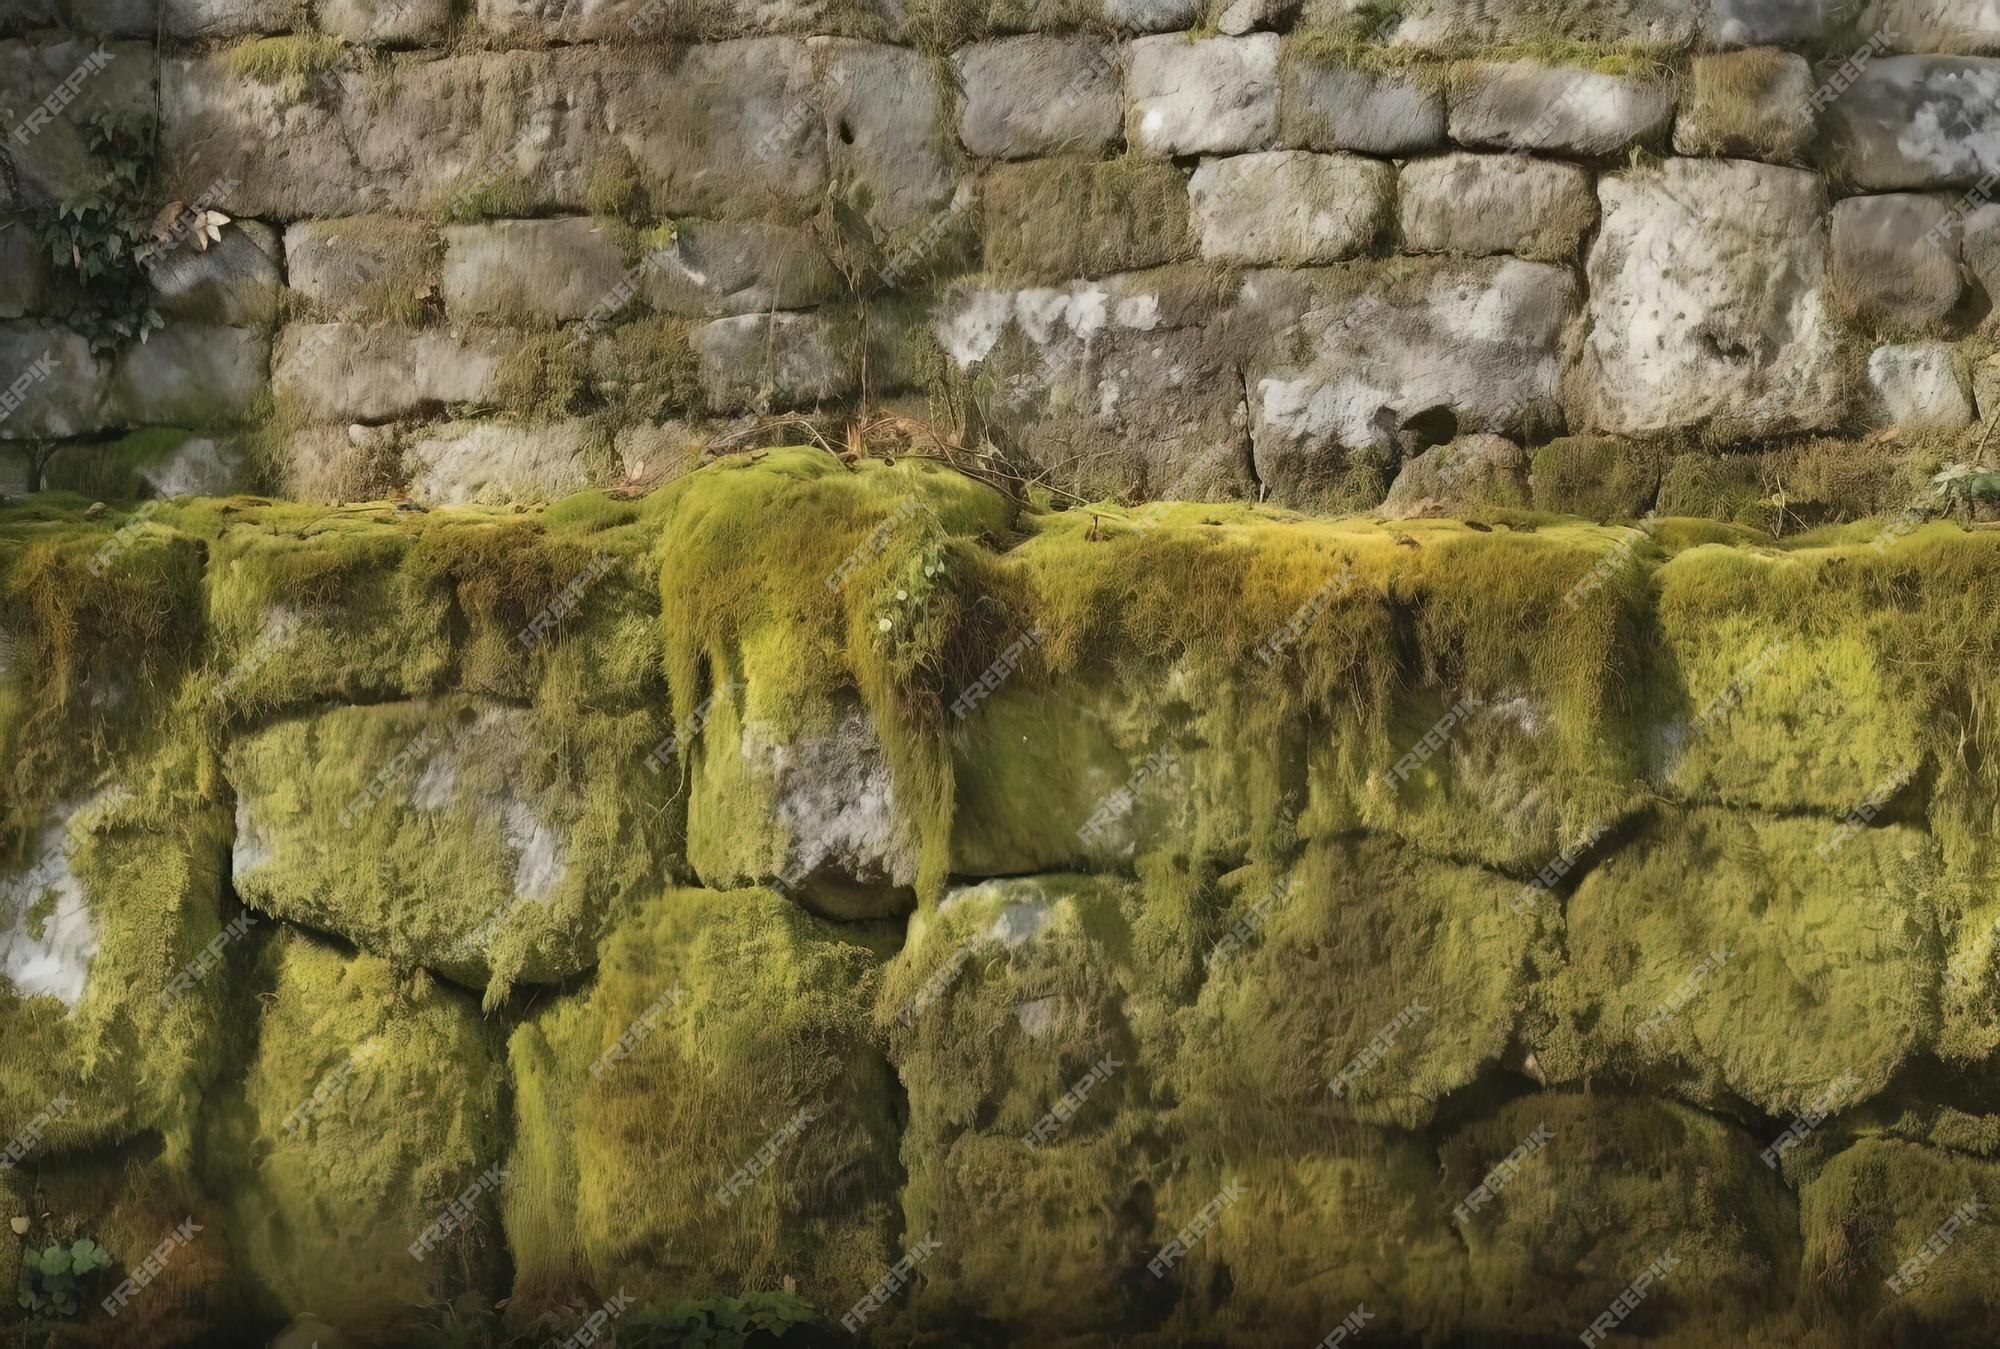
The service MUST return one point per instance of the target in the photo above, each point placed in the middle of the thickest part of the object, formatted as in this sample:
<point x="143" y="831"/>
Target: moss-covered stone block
<point x="1614" y="1185"/>
<point x="1597" y="477"/>
<point x="1057" y="219"/>
<point x="359" y="1169"/>
<point x="1781" y="960"/>
<point x="483" y="842"/>
<point x="713" y="1116"/>
<point x="1900" y="1244"/>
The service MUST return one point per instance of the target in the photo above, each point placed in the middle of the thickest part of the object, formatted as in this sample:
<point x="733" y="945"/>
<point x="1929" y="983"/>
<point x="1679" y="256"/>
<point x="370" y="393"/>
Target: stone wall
<point x="1183" y="925"/>
<point x="1696" y="254"/>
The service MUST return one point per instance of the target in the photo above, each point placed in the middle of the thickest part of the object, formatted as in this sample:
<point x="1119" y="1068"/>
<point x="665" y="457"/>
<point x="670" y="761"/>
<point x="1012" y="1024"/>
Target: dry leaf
<point x="169" y="216"/>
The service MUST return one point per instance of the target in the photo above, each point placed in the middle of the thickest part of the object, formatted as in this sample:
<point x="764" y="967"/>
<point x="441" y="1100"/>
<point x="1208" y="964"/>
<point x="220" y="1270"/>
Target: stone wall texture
<point x="1261" y="250"/>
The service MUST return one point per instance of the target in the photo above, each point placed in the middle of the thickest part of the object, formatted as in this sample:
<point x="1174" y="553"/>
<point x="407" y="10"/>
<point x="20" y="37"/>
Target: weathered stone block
<point x="1708" y="301"/>
<point x="1454" y="479"/>
<point x="716" y="268"/>
<point x="1519" y="105"/>
<point x="1756" y="23"/>
<point x="1356" y="353"/>
<point x="1748" y="105"/>
<point x="1038" y="95"/>
<point x="51" y="385"/>
<point x="365" y="266"/>
<point x="53" y="90"/>
<point x="533" y="269"/>
<point x="887" y="138"/>
<point x="1918" y="385"/>
<point x="385" y="21"/>
<point x="486" y="462"/>
<point x="771" y="361"/>
<point x="687" y="20"/>
<point x="1288" y="206"/>
<point x="1213" y="96"/>
<point x="1979" y="246"/>
<point x="1457" y="24"/>
<point x="1479" y="204"/>
<point x="1918" y="122"/>
<point x="208" y="19"/>
<point x="235" y="281"/>
<point x="27" y="278"/>
<point x="1895" y="261"/>
<point x="1058" y="219"/>
<point x="189" y="375"/>
<point x="1961" y="27"/>
<point x="344" y="372"/>
<point x="1333" y="107"/>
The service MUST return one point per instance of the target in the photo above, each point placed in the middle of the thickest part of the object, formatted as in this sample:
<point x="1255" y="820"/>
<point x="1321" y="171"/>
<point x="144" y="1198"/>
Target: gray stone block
<point x="1918" y="386"/>
<point x="362" y="266"/>
<point x="398" y="22"/>
<point x="1708" y="304"/>
<point x="1481" y="204"/>
<point x="206" y="19"/>
<point x="1288" y="206"/>
<point x="52" y="90"/>
<point x="189" y="375"/>
<point x="1917" y="123"/>
<point x="1212" y="96"/>
<point x="1331" y="107"/>
<point x="513" y="270"/>
<point x="1756" y="23"/>
<point x="342" y="372"/>
<point x="1038" y="95"/>
<point x="51" y="386"/>
<point x="1459" y="24"/>
<point x="770" y="362"/>
<point x="231" y="282"/>
<point x="27" y="278"/>
<point x="1979" y="245"/>
<point x="1519" y="105"/>
<point x="1748" y="105"/>
<point x="1895" y="261"/>
<point x="887" y="140"/>
<point x="714" y="269"/>
<point x="1061" y="219"/>
<point x="489" y="463"/>
<point x="1454" y="479"/>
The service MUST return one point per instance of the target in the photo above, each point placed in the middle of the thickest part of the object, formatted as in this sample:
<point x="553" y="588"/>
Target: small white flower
<point x="885" y="624"/>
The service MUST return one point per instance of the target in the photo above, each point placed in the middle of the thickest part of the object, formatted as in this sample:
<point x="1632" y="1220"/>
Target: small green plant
<point x="95" y="236"/>
<point x="53" y="1278"/>
<point x="723" y="1322"/>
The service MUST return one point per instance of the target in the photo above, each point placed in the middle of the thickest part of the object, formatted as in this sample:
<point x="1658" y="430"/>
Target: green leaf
<point x="55" y="1260"/>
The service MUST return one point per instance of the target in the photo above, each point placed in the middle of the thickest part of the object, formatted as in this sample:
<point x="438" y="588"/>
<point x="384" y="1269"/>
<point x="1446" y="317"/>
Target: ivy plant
<point x="95" y="236"/>
<point x="53" y="1278"/>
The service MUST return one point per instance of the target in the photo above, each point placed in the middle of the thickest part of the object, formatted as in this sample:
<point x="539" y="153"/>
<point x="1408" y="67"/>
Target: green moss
<point x="123" y="469"/>
<point x="1596" y="477"/>
<point x="458" y="835"/>
<point x="1805" y="975"/>
<point x="646" y="371"/>
<point x="371" y="1102"/>
<point x="290" y="62"/>
<point x="615" y="190"/>
<point x="544" y="377"/>
<point x="1059" y="219"/>
<point x="1876" y="1206"/>
<point x="735" y="1012"/>
<point x="485" y="196"/>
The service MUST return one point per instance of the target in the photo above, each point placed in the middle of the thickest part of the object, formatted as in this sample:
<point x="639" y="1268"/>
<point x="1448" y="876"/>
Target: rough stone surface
<point x="486" y="463"/>
<point x="54" y="386"/>
<point x="345" y="372"/>
<point x="1895" y="261"/>
<point x="1065" y="218"/>
<point x="1458" y="23"/>
<point x="1918" y="385"/>
<point x="190" y="375"/>
<point x="48" y="144"/>
<point x="1986" y="388"/>
<point x="229" y="18"/>
<point x="1964" y="27"/>
<point x="1753" y="23"/>
<point x="532" y="269"/>
<point x="1708" y="303"/>
<point x="350" y="267"/>
<point x="1213" y="96"/>
<point x="1918" y="122"/>
<point x="398" y="22"/>
<point x="1349" y="363"/>
<point x="1335" y="107"/>
<point x="1979" y="244"/>
<point x="773" y="361"/>
<point x="1479" y="204"/>
<point x="886" y="130"/>
<point x="714" y="269"/>
<point x="1247" y="16"/>
<point x="1519" y="105"/>
<point x="1471" y="472"/>
<point x="27" y="280"/>
<point x="1748" y="105"/>
<point x="235" y="281"/>
<point x="1287" y="206"/>
<point x="1038" y="95"/>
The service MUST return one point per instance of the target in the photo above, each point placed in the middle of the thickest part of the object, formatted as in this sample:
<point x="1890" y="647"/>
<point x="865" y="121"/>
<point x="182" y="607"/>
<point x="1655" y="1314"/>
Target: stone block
<point x="1288" y="206"/>
<point x="1520" y="105"/>
<point x="1065" y="218"/>
<point x="363" y="266"/>
<point x="189" y="374"/>
<point x="515" y="270"/>
<point x="1038" y="95"/>
<point x="234" y="281"/>
<point x="1480" y="204"/>
<point x="776" y="361"/>
<point x="1336" y="107"/>
<point x="1895" y="261"/>
<point x="1748" y="105"/>
<point x="1211" y="96"/>
<point x="1914" y="123"/>
<point x="342" y="372"/>
<point x="1918" y="385"/>
<point x="718" y="268"/>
